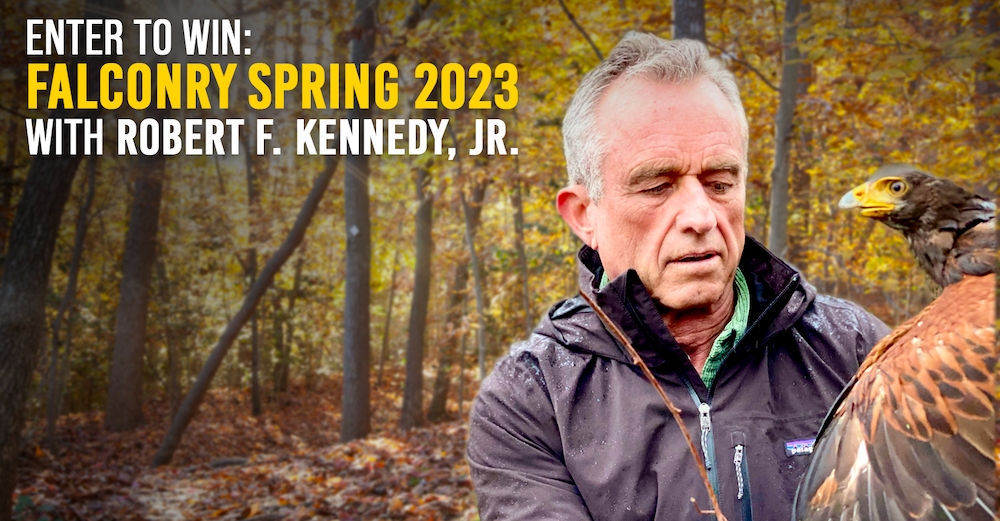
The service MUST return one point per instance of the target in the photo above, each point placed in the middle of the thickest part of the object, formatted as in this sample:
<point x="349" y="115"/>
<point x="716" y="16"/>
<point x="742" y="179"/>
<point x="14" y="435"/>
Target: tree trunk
<point x="413" y="391"/>
<point x="25" y="278"/>
<point x="253" y="208"/>
<point x="7" y="185"/>
<point x="64" y="364"/>
<point x="478" y="286"/>
<point x="254" y="342"/>
<point x="284" y="325"/>
<point x="521" y="254"/>
<point x="256" y="167"/>
<point x="801" y="188"/>
<point x="388" y="317"/>
<point x="200" y="388"/>
<point x="455" y="313"/>
<point x="356" y="410"/>
<point x="124" y="406"/>
<point x="461" y="369"/>
<point x="689" y="19"/>
<point x="777" y="237"/>
<point x="173" y="362"/>
<point x="278" y="332"/>
<point x="69" y="296"/>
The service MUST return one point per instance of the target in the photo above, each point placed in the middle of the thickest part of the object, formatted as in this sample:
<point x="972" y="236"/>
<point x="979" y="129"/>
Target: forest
<point x="242" y="336"/>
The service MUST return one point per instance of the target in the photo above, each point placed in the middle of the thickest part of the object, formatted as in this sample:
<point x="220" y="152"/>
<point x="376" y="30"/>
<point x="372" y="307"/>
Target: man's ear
<point x="573" y="203"/>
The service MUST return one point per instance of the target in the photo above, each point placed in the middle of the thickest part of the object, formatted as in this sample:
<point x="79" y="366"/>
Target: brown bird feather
<point x="912" y="436"/>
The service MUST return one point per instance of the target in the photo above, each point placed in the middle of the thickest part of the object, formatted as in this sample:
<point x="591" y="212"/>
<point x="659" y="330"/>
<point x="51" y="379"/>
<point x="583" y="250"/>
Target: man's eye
<point x="720" y="187"/>
<point x="658" y="189"/>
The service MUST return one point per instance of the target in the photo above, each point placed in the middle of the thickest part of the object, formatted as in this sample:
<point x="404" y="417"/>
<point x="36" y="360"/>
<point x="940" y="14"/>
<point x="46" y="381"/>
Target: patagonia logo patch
<point x="799" y="447"/>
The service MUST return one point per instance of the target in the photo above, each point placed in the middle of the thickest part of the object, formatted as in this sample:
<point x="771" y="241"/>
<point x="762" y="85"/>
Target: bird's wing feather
<point x="975" y="251"/>
<point x="913" y="439"/>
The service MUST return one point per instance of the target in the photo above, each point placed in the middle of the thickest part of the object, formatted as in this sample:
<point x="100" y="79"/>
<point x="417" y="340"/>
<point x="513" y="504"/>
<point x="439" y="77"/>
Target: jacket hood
<point x="778" y="298"/>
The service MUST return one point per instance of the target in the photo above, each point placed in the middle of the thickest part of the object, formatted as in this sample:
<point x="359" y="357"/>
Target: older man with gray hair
<point x="566" y="426"/>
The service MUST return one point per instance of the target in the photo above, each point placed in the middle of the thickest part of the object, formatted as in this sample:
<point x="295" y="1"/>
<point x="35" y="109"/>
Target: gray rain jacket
<point x="566" y="427"/>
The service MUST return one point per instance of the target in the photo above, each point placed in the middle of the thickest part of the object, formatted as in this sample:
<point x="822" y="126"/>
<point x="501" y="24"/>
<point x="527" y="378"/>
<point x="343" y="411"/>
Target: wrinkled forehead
<point x="634" y="108"/>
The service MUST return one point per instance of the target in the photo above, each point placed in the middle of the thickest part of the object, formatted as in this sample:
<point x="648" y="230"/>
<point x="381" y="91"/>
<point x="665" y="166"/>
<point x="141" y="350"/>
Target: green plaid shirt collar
<point x="731" y="334"/>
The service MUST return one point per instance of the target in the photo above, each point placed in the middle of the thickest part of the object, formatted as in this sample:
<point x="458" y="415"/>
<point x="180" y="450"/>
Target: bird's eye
<point x="897" y="187"/>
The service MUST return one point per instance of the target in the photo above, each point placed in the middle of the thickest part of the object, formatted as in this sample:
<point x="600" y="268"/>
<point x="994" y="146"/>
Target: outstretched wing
<point x="913" y="439"/>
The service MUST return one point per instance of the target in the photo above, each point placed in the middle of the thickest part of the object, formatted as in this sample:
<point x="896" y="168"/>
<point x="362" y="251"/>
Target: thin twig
<point x="746" y="64"/>
<point x="899" y="45"/>
<point x="637" y="360"/>
<point x="586" y="36"/>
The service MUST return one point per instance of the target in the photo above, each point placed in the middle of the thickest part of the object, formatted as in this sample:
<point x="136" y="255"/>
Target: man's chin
<point x="701" y="296"/>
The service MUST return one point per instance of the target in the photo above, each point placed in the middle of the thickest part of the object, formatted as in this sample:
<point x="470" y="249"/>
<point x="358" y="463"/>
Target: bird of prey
<point x="912" y="435"/>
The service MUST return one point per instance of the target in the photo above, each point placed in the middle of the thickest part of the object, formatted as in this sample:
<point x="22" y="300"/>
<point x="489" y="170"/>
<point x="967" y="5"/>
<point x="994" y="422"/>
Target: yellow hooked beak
<point x="873" y="203"/>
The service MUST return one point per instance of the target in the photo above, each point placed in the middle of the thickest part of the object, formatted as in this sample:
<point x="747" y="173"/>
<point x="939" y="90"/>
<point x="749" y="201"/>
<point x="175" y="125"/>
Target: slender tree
<point x="7" y="183"/>
<point x="413" y="391"/>
<point x="287" y="327"/>
<point x="517" y="201"/>
<point x="800" y="180"/>
<point x="384" y="353"/>
<point x="412" y="414"/>
<point x="461" y="366"/>
<point x="777" y="236"/>
<point x="437" y="411"/>
<point x="68" y="299"/>
<point x="356" y="410"/>
<point x="477" y="279"/>
<point x="124" y="405"/>
<point x="253" y="201"/>
<point x="173" y="356"/>
<point x="256" y="168"/>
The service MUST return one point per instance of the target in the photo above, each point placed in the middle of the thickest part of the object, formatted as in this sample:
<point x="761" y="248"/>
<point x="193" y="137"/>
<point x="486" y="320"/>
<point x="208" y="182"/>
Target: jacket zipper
<point x="707" y="440"/>
<point x="738" y="461"/>
<point x="705" y="419"/>
<point x="743" y="503"/>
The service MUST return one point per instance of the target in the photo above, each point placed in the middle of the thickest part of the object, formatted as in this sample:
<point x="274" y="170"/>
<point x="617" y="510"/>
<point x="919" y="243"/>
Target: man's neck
<point x="695" y="330"/>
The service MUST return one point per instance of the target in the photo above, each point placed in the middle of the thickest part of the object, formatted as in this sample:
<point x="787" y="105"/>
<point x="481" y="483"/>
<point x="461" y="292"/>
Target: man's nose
<point x="695" y="213"/>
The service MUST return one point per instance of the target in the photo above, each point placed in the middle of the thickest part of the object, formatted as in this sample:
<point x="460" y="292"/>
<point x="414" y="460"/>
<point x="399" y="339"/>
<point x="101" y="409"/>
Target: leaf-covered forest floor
<point x="285" y="464"/>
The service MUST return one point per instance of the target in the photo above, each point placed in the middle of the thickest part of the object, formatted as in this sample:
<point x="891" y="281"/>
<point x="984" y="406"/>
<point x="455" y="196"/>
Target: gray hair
<point x="636" y="55"/>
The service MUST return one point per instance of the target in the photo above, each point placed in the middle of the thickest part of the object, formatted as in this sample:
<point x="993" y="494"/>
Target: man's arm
<point x="514" y="451"/>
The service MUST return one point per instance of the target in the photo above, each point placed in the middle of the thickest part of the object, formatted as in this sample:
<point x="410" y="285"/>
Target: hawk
<point x="912" y="435"/>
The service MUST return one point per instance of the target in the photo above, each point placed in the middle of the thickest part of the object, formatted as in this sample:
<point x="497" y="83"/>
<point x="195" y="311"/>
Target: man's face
<point x="674" y="190"/>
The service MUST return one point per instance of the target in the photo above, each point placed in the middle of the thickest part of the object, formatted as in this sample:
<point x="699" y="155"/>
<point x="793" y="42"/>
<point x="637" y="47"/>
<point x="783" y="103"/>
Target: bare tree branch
<point x="586" y="36"/>
<point x="744" y="63"/>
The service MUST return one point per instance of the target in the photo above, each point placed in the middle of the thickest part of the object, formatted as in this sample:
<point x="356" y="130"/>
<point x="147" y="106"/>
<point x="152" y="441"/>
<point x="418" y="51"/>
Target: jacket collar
<point x="778" y="298"/>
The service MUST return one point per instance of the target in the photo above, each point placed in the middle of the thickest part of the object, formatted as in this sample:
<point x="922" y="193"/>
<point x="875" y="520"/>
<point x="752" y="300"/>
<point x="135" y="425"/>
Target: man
<point x="566" y="426"/>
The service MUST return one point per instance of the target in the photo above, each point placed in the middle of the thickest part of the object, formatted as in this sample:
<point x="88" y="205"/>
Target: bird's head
<point x="949" y="229"/>
<point x="906" y="198"/>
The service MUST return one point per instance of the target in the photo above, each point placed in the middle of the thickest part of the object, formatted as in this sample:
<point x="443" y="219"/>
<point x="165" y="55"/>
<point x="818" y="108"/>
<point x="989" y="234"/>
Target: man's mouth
<point x="697" y="257"/>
